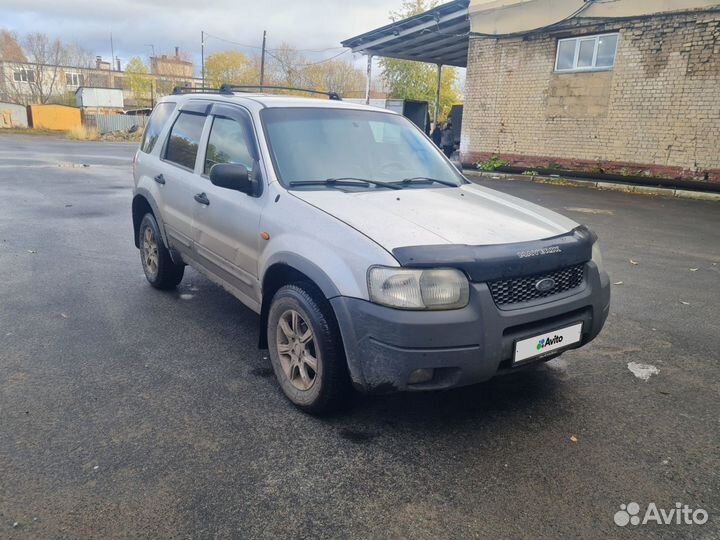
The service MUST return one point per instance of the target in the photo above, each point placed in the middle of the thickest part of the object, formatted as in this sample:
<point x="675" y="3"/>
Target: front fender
<point x="337" y="269"/>
<point x="307" y="267"/>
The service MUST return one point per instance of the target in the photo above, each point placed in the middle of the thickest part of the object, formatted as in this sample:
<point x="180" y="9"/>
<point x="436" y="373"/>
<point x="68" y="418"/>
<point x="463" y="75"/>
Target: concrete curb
<point x="606" y="186"/>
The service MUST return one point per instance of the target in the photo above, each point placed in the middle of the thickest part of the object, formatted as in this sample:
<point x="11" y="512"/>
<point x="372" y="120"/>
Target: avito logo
<point x="546" y="342"/>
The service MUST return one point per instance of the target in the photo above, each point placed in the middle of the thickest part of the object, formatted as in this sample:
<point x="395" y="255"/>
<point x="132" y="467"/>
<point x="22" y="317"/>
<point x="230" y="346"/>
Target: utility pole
<point x="151" y="47"/>
<point x="112" y="53"/>
<point x="202" y="56"/>
<point x="262" y="61"/>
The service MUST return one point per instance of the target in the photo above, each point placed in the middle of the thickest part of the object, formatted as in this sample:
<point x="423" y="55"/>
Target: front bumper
<point x="465" y="346"/>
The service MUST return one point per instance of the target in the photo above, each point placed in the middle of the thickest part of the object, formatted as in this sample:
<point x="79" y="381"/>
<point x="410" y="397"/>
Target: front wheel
<point x="306" y="350"/>
<point x="160" y="270"/>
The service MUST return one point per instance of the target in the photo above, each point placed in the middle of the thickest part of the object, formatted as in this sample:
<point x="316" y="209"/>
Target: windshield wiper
<point x="427" y="179"/>
<point x="346" y="181"/>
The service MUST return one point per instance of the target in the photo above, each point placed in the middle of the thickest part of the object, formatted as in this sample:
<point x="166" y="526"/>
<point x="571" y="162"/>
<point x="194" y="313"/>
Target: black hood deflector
<point x="503" y="261"/>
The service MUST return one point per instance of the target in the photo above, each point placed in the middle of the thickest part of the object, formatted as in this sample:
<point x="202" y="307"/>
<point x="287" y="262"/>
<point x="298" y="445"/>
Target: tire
<point x="327" y="387"/>
<point x="160" y="270"/>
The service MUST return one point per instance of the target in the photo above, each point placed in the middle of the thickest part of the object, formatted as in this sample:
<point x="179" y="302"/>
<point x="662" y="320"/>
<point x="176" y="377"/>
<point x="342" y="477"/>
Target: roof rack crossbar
<point x="188" y="90"/>
<point x="230" y="88"/>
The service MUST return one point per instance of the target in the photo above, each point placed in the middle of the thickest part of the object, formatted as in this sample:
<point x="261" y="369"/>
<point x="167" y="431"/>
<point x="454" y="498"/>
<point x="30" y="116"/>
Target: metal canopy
<point x="438" y="36"/>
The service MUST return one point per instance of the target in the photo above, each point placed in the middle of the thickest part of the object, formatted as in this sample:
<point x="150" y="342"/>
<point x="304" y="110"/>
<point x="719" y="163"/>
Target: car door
<point x="227" y="225"/>
<point x="179" y="173"/>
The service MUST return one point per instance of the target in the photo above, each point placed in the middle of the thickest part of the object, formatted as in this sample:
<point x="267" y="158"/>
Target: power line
<point x="207" y="34"/>
<point x="322" y="50"/>
<point x="232" y="42"/>
<point x="326" y="60"/>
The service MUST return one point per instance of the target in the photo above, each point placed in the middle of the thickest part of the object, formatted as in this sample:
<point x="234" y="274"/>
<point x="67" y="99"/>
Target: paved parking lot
<point x="130" y="413"/>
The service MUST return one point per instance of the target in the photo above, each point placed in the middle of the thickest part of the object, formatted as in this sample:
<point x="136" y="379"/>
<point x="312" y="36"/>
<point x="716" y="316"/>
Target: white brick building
<point x="628" y="86"/>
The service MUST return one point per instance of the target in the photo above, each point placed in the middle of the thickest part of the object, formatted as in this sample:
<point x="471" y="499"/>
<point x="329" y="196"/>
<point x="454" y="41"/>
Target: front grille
<point x="518" y="290"/>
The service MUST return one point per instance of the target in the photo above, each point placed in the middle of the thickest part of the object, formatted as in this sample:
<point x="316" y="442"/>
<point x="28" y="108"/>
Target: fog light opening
<point x="421" y="375"/>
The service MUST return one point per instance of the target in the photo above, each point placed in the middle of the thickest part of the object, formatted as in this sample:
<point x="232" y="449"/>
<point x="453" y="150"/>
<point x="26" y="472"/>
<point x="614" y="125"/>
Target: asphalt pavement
<point x="126" y="412"/>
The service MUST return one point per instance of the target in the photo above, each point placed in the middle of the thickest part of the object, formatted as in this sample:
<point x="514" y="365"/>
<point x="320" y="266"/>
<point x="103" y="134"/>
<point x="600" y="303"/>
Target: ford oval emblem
<point x="545" y="285"/>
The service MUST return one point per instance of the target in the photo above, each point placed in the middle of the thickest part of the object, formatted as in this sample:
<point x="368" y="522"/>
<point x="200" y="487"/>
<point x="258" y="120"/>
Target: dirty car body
<point x="428" y="280"/>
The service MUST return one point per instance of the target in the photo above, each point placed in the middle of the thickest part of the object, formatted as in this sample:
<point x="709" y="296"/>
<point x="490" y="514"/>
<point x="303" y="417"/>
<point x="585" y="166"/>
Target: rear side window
<point x="158" y="119"/>
<point x="184" y="140"/>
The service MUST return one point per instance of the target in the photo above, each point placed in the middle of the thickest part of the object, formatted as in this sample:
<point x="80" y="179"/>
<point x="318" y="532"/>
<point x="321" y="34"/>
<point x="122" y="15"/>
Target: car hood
<point x="470" y="214"/>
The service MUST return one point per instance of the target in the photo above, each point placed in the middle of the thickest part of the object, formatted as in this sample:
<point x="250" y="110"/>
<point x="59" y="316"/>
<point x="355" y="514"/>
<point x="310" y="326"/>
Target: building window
<point x="586" y="53"/>
<point x="24" y="75"/>
<point x="74" y="79"/>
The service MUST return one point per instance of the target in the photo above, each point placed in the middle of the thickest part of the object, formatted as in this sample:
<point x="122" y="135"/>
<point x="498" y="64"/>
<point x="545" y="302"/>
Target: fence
<point x="107" y="123"/>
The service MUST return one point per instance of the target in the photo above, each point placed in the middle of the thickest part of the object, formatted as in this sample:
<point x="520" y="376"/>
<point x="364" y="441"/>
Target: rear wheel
<point x="306" y="350"/>
<point x="160" y="270"/>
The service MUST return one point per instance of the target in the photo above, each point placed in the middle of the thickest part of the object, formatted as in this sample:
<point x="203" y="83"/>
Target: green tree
<point x="405" y="79"/>
<point x="231" y="67"/>
<point x="138" y="79"/>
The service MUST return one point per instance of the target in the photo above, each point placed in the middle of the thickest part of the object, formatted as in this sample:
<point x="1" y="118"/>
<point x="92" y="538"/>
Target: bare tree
<point x="35" y="79"/>
<point x="337" y="75"/>
<point x="46" y="56"/>
<point x="76" y="56"/>
<point x="35" y="73"/>
<point x="286" y="65"/>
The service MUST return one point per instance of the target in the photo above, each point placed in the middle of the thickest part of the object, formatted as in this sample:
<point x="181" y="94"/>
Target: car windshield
<point x="315" y="148"/>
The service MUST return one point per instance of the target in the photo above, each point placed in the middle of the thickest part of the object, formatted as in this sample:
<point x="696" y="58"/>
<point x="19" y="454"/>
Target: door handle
<point x="160" y="179"/>
<point x="202" y="199"/>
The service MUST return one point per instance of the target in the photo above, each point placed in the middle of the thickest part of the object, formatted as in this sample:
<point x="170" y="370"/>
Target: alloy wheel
<point x="296" y="348"/>
<point x="150" y="252"/>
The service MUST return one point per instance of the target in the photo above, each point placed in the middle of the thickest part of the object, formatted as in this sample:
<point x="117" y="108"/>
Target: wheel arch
<point x="143" y="203"/>
<point x="285" y="269"/>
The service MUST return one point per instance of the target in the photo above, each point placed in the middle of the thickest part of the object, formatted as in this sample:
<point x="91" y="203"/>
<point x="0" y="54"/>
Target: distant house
<point x="171" y="66"/>
<point x="27" y="82"/>
<point x="622" y="86"/>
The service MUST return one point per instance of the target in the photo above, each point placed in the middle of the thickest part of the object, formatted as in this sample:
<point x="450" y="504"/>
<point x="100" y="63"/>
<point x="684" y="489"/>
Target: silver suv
<point x="372" y="262"/>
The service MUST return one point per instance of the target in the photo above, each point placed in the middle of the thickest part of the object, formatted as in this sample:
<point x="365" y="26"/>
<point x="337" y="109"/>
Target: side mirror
<point x="232" y="176"/>
<point x="458" y="164"/>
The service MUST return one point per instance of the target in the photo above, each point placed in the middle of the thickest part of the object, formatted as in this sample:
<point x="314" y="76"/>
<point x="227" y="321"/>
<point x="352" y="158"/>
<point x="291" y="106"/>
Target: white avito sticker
<point x="547" y="342"/>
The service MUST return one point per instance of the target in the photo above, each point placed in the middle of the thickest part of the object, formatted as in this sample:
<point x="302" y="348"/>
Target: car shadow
<point x="506" y="399"/>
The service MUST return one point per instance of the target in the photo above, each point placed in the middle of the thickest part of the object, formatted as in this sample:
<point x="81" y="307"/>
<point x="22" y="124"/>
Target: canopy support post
<point x="369" y="79"/>
<point x="437" y="93"/>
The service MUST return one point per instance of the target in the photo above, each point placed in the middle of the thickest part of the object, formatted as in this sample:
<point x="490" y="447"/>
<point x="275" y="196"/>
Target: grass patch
<point x="81" y="133"/>
<point x="492" y="164"/>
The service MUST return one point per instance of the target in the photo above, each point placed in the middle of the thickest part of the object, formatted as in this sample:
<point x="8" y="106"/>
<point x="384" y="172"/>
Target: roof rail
<point x="230" y="88"/>
<point x="188" y="90"/>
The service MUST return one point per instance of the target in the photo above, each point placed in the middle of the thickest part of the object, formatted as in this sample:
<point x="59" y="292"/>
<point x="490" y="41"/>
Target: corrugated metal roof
<point x="438" y="36"/>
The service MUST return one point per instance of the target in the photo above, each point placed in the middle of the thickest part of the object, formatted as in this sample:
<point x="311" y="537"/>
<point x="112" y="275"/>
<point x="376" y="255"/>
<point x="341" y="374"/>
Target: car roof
<point x="274" y="101"/>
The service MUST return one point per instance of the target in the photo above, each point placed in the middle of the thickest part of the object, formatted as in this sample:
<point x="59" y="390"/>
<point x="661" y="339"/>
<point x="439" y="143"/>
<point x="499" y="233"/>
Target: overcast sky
<point x="305" y="24"/>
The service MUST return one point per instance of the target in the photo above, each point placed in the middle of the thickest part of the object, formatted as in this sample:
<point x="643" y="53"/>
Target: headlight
<point x="403" y="288"/>
<point x="597" y="255"/>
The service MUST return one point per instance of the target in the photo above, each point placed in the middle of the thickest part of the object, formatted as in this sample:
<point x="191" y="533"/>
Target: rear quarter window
<point x="160" y="115"/>
<point x="184" y="139"/>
